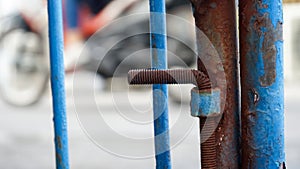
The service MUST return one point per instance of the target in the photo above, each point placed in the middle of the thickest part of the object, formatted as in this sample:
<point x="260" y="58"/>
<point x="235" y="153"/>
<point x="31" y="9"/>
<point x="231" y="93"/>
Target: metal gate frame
<point x="261" y="84"/>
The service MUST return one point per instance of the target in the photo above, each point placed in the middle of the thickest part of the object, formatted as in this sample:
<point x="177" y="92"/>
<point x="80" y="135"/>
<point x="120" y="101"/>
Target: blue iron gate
<point x="261" y="83"/>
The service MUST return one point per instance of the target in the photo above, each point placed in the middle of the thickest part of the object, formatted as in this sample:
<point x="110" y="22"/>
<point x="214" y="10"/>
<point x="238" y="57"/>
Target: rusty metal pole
<point x="217" y="20"/>
<point x="262" y="84"/>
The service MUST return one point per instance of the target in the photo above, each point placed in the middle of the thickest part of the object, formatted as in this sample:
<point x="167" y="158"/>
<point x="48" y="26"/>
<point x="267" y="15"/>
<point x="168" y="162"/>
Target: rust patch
<point x="59" y="160"/>
<point x="264" y="28"/>
<point x="269" y="51"/>
<point x="58" y="142"/>
<point x="208" y="146"/>
<point x="58" y="155"/>
<point x="246" y="12"/>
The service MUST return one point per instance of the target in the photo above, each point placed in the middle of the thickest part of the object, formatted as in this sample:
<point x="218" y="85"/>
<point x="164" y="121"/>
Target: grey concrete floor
<point x="112" y="131"/>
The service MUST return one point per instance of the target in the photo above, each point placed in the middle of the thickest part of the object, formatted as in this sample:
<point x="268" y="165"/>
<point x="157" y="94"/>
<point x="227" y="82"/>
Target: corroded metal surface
<point x="176" y="76"/>
<point x="262" y="84"/>
<point x="208" y="150"/>
<point x="216" y="19"/>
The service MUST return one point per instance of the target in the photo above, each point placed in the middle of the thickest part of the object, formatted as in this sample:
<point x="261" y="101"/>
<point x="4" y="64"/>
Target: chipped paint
<point x="262" y="84"/>
<point x="205" y="103"/>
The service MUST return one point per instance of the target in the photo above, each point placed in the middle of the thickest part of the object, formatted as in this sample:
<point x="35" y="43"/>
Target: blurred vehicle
<point x="24" y="50"/>
<point x="24" y="63"/>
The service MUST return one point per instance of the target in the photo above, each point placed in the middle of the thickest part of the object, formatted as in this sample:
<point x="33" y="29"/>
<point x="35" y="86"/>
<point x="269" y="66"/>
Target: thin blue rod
<point x="158" y="43"/>
<point x="57" y="83"/>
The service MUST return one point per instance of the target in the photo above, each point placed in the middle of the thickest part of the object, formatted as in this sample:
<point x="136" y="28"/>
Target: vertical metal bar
<point x="57" y="82"/>
<point x="158" y="42"/>
<point x="217" y="20"/>
<point x="262" y="84"/>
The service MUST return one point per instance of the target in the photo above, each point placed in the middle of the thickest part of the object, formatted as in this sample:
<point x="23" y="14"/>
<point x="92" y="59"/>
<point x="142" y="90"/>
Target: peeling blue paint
<point x="205" y="103"/>
<point x="262" y="85"/>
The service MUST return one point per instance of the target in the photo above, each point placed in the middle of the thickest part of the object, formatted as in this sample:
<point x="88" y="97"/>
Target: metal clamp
<point x="205" y="102"/>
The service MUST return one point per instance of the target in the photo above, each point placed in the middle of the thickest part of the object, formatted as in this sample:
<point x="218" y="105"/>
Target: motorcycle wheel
<point x="24" y="70"/>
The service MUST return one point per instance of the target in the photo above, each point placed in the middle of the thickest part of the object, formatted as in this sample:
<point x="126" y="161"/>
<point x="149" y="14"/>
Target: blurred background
<point x="101" y="108"/>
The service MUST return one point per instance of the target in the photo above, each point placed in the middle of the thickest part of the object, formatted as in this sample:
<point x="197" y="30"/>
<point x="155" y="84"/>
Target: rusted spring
<point x="174" y="76"/>
<point x="208" y="142"/>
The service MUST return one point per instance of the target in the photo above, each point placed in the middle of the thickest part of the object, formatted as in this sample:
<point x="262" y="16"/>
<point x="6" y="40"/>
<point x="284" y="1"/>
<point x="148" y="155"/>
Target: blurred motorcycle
<point x="24" y="54"/>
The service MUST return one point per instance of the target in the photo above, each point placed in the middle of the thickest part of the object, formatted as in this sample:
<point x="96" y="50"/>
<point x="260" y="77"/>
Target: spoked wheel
<point x="24" y="71"/>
